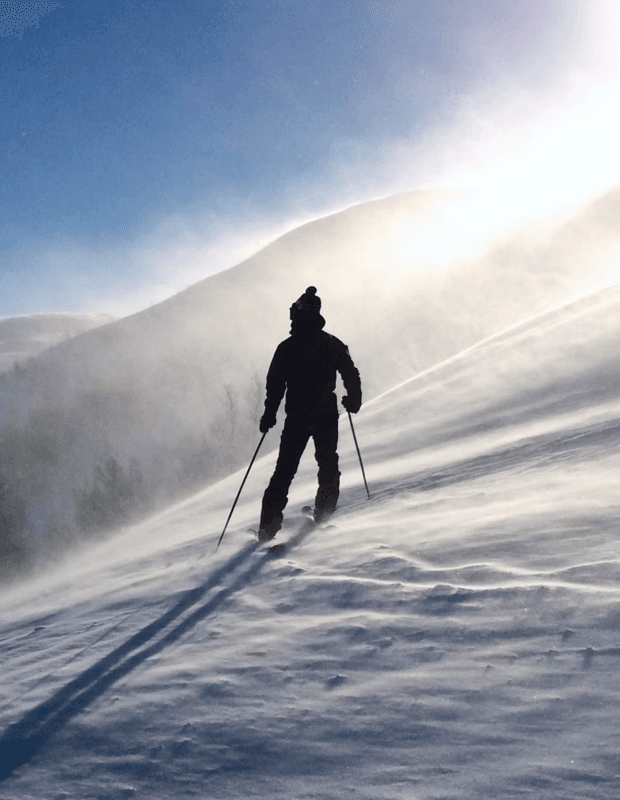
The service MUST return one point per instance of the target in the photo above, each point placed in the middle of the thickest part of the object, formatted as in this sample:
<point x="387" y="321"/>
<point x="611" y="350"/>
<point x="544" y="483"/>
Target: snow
<point x="455" y="636"/>
<point x="171" y="395"/>
<point x="24" y="337"/>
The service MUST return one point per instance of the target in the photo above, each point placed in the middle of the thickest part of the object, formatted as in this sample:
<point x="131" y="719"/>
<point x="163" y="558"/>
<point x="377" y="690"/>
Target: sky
<point x="145" y="146"/>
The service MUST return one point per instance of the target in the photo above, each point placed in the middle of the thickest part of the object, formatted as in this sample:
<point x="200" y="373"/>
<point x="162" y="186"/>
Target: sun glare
<point x="526" y="156"/>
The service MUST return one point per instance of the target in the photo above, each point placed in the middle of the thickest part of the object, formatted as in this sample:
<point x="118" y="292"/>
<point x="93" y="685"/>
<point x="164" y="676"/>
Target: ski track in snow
<point x="457" y="636"/>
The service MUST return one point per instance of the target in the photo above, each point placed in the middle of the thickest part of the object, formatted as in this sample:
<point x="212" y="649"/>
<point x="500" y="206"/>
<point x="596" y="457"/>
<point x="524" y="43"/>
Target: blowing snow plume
<point x="135" y="413"/>
<point x="24" y="337"/>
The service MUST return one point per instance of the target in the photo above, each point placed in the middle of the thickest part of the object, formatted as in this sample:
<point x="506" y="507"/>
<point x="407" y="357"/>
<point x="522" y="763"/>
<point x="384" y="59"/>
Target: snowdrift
<point x="454" y="637"/>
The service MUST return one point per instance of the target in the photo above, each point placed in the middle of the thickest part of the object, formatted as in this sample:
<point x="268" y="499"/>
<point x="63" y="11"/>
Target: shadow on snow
<point x="23" y="739"/>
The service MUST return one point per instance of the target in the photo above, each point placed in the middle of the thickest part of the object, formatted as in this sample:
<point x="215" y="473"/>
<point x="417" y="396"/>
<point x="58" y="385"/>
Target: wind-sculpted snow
<point x="455" y="636"/>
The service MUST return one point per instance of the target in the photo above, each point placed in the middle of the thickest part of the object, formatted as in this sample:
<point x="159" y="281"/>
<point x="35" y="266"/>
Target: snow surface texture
<point x="456" y="636"/>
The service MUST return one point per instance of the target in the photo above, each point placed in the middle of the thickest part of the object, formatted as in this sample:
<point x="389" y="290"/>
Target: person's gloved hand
<point x="351" y="405"/>
<point x="267" y="421"/>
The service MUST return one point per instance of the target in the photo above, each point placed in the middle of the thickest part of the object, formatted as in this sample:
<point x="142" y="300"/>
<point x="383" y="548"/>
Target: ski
<point x="308" y="512"/>
<point x="280" y="547"/>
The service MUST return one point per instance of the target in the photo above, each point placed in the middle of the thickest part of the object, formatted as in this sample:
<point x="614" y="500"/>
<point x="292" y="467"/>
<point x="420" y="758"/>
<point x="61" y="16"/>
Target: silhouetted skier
<point x="305" y="366"/>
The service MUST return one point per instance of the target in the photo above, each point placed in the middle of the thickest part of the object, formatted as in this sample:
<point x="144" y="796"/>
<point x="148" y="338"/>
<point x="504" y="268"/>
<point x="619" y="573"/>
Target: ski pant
<point x="295" y="435"/>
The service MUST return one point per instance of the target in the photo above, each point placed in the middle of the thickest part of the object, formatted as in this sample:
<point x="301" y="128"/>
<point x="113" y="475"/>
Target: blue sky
<point x="132" y="130"/>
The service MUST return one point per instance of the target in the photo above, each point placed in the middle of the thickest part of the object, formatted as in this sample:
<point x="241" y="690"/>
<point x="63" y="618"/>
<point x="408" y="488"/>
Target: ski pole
<point x="359" y="455"/>
<point x="240" y="488"/>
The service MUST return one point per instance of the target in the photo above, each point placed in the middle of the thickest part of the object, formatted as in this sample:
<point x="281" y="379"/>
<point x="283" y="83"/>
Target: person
<point x="305" y="366"/>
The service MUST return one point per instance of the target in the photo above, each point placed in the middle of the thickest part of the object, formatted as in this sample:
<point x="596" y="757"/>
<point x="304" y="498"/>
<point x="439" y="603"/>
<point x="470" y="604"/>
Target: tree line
<point x="62" y="479"/>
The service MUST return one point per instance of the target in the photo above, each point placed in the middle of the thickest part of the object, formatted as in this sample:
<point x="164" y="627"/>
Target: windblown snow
<point x="455" y="636"/>
<point x="24" y="337"/>
<point x="133" y="416"/>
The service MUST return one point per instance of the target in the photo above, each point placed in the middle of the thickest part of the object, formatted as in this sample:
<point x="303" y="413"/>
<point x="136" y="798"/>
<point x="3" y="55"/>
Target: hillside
<point x="453" y="637"/>
<point x="22" y="338"/>
<point x="130" y="416"/>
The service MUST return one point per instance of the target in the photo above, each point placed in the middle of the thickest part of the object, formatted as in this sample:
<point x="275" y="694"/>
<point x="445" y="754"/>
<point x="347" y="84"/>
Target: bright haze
<point x="148" y="146"/>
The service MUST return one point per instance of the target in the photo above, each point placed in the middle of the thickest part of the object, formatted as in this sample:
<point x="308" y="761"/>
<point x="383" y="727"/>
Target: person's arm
<point x="351" y="379"/>
<point x="275" y="386"/>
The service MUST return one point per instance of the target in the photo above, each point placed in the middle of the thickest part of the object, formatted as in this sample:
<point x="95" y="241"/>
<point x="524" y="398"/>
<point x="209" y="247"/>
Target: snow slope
<point x="25" y="337"/>
<point x="171" y="394"/>
<point x="454" y="637"/>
